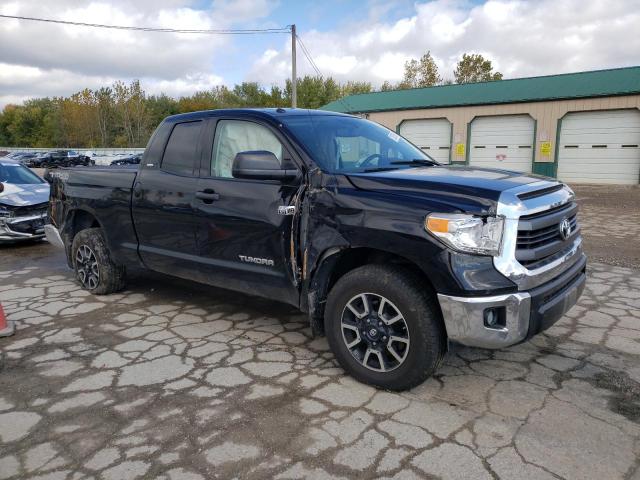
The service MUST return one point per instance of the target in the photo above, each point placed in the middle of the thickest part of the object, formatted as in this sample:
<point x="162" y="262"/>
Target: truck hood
<point x="474" y="190"/>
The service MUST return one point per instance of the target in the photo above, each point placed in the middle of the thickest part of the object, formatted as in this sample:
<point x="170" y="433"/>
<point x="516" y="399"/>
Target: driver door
<point x="243" y="238"/>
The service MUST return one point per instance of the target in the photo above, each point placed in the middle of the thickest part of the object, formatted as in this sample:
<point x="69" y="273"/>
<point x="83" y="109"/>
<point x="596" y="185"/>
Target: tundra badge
<point x="258" y="261"/>
<point x="287" y="210"/>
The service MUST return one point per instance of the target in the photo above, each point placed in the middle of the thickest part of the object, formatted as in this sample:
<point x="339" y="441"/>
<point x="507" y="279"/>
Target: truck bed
<point x="99" y="195"/>
<point x="118" y="176"/>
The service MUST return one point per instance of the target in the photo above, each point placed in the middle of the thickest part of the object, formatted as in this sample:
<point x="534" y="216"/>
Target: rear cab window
<point x="181" y="155"/>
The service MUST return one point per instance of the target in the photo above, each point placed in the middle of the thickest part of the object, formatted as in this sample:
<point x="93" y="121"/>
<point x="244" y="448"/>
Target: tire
<point x="420" y="343"/>
<point x="92" y="263"/>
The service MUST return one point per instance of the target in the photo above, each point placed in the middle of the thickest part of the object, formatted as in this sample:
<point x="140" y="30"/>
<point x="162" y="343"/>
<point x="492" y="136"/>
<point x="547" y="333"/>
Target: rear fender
<point x="75" y="221"/>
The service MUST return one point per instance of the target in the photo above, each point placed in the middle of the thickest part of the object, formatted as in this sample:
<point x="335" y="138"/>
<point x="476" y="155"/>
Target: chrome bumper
<point x="464" y="319"/>
<point x="523" y="314"/>
<point x="53" y="236"/>
<point x="544" y="294"/>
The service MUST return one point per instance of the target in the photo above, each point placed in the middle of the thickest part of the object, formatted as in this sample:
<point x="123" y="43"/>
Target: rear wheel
<point x="92" y="263"/>
<point x="383" y="328"/>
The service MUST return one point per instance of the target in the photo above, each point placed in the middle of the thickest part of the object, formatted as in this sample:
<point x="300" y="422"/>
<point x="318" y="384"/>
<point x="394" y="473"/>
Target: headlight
<point x="466" y="233"/>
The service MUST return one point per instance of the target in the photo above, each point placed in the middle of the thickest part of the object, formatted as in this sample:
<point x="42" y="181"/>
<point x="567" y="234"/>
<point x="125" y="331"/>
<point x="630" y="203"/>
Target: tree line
<point x="124" y="115"/>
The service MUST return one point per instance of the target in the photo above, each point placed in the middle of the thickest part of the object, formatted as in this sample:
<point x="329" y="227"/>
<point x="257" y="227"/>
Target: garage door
<point x="504" y="141"/>
<point x="433" y="136"/>
<point x="600" y="147"/>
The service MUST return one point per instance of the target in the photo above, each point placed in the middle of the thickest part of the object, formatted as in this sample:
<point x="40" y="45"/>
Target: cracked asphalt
<point x="175" y="380"/>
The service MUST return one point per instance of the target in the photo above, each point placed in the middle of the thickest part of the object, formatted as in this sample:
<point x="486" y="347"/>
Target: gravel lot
<point x="195" y="382"/>
<point x="611" y="221"/>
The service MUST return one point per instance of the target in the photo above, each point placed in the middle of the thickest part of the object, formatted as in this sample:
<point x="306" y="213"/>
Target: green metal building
<point x="580" y="127"/>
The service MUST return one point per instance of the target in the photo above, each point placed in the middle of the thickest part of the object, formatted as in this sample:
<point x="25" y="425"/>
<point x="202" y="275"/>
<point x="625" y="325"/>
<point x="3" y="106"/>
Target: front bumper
<point x="29" y="227"/>
<point x="524" y="314"/>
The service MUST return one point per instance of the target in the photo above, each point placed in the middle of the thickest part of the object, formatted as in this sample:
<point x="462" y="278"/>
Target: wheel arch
<point x="77" y="220"/>
<point x="335" y="262"/>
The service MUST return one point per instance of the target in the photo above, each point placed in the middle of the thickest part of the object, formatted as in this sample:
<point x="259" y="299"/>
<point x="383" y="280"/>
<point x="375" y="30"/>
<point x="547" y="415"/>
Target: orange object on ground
<point x="6" y="326"/>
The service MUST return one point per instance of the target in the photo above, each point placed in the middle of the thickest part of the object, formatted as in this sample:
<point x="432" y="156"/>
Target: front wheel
<point x="92" y="263"/>
<point x="383" y="328"/>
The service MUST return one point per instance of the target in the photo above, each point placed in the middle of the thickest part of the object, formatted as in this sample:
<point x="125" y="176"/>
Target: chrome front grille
<point x="540" y="237"/>
<point x="534" y="250"/>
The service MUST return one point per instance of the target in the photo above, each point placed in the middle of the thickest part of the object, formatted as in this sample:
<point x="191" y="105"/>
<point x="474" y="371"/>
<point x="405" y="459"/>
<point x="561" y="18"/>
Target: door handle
<point x="137" y="190"/>
<point x="207" y="196"/>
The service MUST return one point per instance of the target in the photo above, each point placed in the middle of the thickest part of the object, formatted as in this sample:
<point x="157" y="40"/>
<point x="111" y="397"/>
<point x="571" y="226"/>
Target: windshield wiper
<point x="379" y="169"/>
<point x="417" y="161"/>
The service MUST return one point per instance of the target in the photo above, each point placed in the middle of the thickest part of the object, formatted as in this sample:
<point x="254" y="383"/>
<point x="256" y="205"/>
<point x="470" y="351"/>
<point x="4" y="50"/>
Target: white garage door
<point x="504" y="141"/>
<point x="433" y="136"/>
<point x="600" y="147"/>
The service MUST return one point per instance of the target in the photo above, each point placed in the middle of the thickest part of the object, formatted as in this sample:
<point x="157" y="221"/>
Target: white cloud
<point x="41" y="59"/>
<point x="522" y="38"/>
<point x="183" y="86"/>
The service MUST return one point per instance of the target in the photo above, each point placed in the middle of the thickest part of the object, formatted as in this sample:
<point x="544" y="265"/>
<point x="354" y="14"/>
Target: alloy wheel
<point x="87" y="267"/>
<point x="375" y="332"/>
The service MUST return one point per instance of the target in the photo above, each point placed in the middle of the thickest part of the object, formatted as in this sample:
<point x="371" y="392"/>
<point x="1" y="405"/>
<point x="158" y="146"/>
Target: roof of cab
<point x="267" y="113"/>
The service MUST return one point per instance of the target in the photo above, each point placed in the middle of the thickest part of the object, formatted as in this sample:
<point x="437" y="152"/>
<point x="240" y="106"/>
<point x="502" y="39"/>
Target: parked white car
<point x="24" y="200"/>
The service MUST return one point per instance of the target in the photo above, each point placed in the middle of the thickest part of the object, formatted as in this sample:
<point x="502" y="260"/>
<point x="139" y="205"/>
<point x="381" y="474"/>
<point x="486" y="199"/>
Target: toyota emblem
<point x="565" y="228"/>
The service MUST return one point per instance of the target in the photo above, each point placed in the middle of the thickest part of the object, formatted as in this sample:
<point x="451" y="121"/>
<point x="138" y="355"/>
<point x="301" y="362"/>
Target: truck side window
<point x="180" y="156"/>
<point x="234" y="136"/>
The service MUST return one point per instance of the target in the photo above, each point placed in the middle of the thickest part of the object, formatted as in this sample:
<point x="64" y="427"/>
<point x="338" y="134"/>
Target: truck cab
<point x="392" y="255"/>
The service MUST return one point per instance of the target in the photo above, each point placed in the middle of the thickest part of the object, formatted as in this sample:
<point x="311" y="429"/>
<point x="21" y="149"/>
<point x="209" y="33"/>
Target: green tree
<point x="314" y="91"/>
<point x="123" y="115"/>
<point x="103" y="99"/>
<point x="420" y="73"/>
<point x="354" y="88"/>
<point x="387" y="86"/>
<point x="475" y="68"/>
<point x="159" y="107"/>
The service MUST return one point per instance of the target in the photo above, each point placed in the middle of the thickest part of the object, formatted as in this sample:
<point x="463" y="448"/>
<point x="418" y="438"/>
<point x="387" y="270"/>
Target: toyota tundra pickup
<point x="392" y="255"/>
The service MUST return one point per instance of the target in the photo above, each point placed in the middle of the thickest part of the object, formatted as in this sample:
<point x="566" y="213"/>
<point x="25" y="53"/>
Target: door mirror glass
<point x="260" y="165"/>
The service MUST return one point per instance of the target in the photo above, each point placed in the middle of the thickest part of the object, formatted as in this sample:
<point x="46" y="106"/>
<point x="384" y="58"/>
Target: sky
<point x="348" y="39"/>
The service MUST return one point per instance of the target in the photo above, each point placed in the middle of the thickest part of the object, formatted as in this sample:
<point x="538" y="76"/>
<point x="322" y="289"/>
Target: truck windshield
<point x="341" y="144"/>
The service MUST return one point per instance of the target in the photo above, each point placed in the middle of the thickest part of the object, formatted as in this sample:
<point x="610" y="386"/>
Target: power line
<point x="307" y="54"/>
<point x="253" y="31"/>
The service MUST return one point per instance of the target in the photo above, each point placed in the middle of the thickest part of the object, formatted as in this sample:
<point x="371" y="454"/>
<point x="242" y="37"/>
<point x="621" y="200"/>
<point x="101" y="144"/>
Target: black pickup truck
<point x="390" y="254"/>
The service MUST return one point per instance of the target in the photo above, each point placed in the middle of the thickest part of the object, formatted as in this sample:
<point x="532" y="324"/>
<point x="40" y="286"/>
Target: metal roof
<point x="273" y="113"/>
<point x="598" y="83"/>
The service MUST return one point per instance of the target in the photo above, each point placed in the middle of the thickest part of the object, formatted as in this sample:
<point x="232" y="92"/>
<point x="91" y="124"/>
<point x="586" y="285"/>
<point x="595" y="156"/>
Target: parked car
<point x="391" y="254"/>
<point x="24" y="199"/>
<point x="18" y="155"/>
<point x="60" y="158"/>
<point x="128" y="160"/>
<point x="25" y="157"/>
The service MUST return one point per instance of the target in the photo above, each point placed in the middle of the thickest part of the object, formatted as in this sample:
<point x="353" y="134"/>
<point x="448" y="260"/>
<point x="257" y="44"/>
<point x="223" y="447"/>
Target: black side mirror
<point x="260" y="165"/>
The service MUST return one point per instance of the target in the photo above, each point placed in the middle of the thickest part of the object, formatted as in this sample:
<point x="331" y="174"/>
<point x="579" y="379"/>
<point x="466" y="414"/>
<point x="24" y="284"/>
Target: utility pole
<point x="294" y="75"/>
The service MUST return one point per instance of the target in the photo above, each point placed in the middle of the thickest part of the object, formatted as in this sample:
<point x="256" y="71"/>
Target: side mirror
<point x="260" y="165"/>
